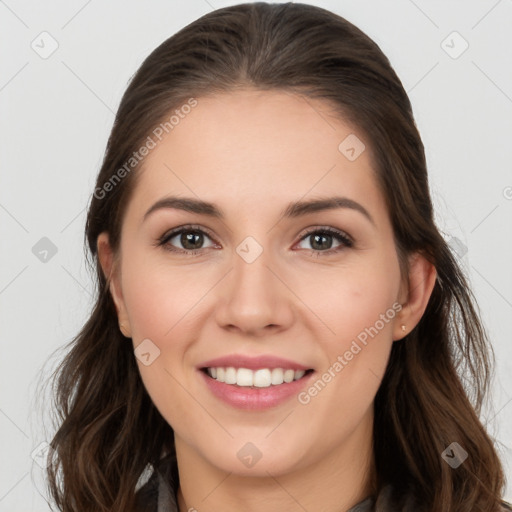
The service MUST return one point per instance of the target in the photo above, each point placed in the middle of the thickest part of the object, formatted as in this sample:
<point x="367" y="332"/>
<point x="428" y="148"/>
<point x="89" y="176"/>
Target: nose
<point x="254" y="298"/>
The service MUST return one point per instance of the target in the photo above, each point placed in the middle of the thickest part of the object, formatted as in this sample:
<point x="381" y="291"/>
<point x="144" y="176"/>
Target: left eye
<point x="320" y="238"/>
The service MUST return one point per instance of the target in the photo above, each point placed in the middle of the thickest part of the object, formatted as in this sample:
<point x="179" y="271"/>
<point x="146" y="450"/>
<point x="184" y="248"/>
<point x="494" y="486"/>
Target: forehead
<point x="252" y="150"/>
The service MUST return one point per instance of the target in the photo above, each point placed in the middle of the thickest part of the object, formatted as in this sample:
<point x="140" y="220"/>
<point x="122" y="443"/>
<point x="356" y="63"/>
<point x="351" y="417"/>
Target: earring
<point x="122" y="329"/>
<point x="403" y="328"/>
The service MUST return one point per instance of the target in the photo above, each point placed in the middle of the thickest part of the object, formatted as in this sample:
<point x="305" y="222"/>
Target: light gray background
<point x="56" y="114"/>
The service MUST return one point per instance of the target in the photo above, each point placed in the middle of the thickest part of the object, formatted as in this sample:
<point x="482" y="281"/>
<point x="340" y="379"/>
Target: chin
<point x="247" y="458"/>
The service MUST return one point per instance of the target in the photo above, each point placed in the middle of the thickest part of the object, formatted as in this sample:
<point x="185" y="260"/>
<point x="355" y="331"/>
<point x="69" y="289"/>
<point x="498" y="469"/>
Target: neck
<point x="335" y="482"/>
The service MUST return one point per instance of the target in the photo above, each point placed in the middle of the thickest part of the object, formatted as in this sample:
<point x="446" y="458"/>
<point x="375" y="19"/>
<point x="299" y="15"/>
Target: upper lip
<point x="252" y="362"/>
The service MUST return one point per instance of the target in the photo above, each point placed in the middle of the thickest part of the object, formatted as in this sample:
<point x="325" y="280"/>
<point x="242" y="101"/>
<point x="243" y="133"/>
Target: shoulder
<point x="146" y="497"/>
<point x="158" y="494"/>
<point x="389" y="499"/>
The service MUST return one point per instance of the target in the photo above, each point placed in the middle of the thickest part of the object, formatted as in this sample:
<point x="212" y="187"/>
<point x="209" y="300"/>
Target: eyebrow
<point x="293" y="210"/>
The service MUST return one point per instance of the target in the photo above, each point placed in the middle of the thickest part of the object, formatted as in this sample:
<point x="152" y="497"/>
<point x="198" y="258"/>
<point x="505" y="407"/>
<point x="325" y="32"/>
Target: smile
<point x="260" y="378"/>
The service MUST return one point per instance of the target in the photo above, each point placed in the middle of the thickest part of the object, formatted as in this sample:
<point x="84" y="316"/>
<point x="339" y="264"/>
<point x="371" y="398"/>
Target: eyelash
<point x="346" y="241"/>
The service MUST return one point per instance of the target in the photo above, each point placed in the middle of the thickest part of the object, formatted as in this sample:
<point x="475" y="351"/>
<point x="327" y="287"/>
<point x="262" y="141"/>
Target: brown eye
<point x="189" y="238"/>
<point x="321" y="240"/>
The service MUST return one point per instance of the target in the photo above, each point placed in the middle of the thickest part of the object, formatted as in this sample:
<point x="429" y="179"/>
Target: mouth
<point x="256" y="383"/>
<point x="255" y="379"/>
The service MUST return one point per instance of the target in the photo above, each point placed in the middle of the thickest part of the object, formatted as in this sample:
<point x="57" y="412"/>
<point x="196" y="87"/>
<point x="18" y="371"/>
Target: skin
<point x="251" y="153"/>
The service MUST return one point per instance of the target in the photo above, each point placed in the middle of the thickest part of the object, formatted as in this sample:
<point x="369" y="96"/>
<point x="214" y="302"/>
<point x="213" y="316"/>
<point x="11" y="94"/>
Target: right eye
<point x="191" y="239"/>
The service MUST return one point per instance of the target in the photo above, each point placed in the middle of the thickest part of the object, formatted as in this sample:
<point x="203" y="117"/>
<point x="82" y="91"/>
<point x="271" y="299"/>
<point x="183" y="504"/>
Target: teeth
<point x="277" y="376"/>
<point x="288" y="375"/>
<point x="262" y="378"/>
<point x="230" y="376"/>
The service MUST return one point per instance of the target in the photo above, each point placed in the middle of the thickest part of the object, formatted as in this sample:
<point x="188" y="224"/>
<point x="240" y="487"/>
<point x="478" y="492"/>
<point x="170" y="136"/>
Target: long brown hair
<point x="109" y="430"/>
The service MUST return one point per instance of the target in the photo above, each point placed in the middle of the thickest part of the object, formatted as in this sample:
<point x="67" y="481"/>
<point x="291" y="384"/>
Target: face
<point x="261" y="285"/>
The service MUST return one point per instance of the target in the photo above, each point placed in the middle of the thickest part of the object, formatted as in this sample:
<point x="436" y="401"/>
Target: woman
<point x="279" y="323"/>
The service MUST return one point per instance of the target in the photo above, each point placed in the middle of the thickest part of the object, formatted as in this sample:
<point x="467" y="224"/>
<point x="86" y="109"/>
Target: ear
<point x="110" y="267"/>
<point x="422" y="278"/>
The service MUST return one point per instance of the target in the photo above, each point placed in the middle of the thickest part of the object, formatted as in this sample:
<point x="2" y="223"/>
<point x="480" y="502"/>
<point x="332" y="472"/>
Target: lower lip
<point x="255" y="398"/>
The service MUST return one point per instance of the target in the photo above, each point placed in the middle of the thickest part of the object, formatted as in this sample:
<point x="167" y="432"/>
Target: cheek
<point x="354" y="302"/>
<point x="356" y="356"/>
<point x="163" y="302"/>
<point x="159" y="297"/>
<point x="160" y="302"/>
<point x="360" y="308"/>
